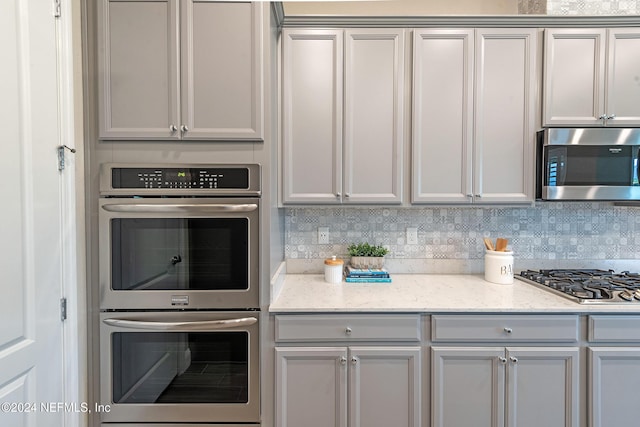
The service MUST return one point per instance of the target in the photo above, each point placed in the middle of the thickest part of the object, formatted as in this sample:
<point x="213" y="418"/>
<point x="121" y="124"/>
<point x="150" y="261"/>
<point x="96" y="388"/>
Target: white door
<point x="31" y="363"/>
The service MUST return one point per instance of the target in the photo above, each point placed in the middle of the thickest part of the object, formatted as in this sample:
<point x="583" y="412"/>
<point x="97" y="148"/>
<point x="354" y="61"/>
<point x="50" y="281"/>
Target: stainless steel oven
<point x="179" y="294"/>
<point x="187" y="367"/>
<point x="179" y="237"/>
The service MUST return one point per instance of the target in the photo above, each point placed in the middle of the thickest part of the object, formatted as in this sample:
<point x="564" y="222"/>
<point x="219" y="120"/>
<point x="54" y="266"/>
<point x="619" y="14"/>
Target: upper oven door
<point x="178" y="253"/>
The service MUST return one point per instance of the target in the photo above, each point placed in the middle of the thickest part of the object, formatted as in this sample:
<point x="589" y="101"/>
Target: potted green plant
<point x="364" y="255"/>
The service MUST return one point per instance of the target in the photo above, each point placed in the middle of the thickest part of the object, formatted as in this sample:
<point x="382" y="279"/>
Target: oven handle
<point x="182" y="326"/>
<point x="180" y="208"/>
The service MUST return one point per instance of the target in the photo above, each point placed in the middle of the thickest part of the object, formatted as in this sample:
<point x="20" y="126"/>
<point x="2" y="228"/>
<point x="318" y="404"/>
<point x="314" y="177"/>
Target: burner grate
<point x="588" y="285"/>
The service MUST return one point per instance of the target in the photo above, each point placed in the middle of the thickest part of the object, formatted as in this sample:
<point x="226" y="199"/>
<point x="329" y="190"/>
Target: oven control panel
<point x="180" y="178"/>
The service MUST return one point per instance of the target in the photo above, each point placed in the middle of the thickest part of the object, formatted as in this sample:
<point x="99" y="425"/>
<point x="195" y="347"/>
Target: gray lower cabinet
<point x="343" y="116"/>
<point x="348" y="371"/>
<point x="501" y="370"/>
<point x="497" y="386"/>
<point x="180" y="70"/>
<point x="614" y="370"/>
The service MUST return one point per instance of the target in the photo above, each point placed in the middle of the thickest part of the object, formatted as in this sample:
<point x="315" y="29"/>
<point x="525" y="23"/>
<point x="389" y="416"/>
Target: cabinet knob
<point x="184" y="128"/>
<point x="347" y="195"/>
<point x="508" y="330"/>
<point x="173" y="128"/>
<point x="348" y="330"/>
<point x="478" y="196"/>
<point x="502" y="360"/>
<point x="603" y="117"/>
<point x="611" y="117"/>
<point x="338" y="194"/>
<point x="354" y="360"/>
<point x="343" y="360"/>
<point x="514" y="359"/>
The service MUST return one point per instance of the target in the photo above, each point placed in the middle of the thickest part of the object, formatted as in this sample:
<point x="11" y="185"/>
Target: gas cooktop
<point x="588" y="286"/>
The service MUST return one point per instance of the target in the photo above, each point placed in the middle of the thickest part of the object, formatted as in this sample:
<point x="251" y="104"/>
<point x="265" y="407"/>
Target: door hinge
<point x="61" y="149"/>
<point x="63" y="309"/>
<point x="57" y="8"/>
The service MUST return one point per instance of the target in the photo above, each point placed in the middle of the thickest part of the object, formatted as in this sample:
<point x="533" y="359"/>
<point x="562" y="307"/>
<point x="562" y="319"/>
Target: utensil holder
<point x="498" y="267"/>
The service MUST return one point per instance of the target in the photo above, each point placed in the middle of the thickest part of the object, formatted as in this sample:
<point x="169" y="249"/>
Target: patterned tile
<point x="584" y="7"/>
<point x="557" y="230"/>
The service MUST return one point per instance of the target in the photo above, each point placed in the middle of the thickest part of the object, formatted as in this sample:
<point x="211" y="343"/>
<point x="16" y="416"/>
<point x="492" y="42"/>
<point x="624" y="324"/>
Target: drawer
<point x="297" y="328"/>
<point x="507" y="328"/>
<point x="614" y="329"/>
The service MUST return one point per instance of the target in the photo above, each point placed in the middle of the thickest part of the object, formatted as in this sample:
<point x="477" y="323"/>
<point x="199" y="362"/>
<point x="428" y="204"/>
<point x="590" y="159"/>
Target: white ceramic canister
<point x="498" y="267"/>
<point x="333" y="268"/>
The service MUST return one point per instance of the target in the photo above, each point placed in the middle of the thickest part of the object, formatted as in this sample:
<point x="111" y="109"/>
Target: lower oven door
<point x="179" y="367"/>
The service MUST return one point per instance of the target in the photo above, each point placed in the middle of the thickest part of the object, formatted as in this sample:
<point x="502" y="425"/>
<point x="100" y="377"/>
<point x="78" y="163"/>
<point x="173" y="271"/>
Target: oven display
<point x="167" y="178"/>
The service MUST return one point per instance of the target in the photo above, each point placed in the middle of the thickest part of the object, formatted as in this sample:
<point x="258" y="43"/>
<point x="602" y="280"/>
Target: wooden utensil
<point x="501" y="244"/>
<point x="488" y="243"/>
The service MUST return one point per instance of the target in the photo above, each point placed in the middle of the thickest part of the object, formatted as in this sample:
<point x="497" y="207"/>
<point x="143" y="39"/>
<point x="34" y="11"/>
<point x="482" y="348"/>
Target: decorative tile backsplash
<point x="556" y="230"/>
<point x="593" y="7"/>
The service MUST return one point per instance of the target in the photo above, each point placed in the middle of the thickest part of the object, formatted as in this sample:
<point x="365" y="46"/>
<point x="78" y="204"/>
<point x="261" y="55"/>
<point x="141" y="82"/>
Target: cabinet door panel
<point x="374" y="118"/>
<point x="442" y="115"/>
<point x="542" y="387"/>
<point x="574" y="77"/>
<point x="613" y="389"/>
<point x="221" y="70"/>
<point x="138" y="63"/>
<point x="623" y="82"/>
<point x="468" y="386"/>
<point x="384" y="387"/>
<point x="505" y="105"/>
<point x="312" y="116"/>
<point x="311" y="387"/>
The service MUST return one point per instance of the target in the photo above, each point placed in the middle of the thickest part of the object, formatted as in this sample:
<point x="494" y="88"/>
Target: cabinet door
<point x="505" y="114"/>
<point x="138" y="69"/>
<point x="574" y="77"/>
<point x="384" y="387"/>
<point x="468" y="386"/>
<point x="374" y="117"/>
<point x="312" y="116"/>
<point x="613" y="389"/>
<point x="311" y="387"/>
<point x="542" y="387"/>
<point x="221" y="70"/>
<point x="623" y="77"/>
<point x="442" y="116"/>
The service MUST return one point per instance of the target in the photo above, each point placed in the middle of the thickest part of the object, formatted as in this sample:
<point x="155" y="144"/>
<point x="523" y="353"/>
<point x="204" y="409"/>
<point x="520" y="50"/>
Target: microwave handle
<point x="182" y="326"/>
<point x="180" y="208"/>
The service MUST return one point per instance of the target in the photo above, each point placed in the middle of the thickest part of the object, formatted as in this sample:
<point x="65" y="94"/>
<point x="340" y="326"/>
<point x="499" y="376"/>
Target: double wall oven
<point x="179" y="294"/>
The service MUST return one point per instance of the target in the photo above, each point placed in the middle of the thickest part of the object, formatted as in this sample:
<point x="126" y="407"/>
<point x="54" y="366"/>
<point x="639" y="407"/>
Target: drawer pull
<point x="514" y="359"/>
<point x="502" y="360"/>
<point x="508" y="330"/>
<point x="348" y="330"/>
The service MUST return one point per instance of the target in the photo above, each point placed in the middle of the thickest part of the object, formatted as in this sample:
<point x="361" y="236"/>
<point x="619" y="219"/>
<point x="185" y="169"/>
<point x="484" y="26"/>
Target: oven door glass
<point x="179" y="254"/>
<point x="180" y="367"/>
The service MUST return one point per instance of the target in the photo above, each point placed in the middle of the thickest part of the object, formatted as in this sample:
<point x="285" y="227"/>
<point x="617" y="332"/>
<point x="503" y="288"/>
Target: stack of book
<point x="366" y="275"/>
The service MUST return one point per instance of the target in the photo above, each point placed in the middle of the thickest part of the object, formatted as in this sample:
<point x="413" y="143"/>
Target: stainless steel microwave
<point x="588" y="164"/>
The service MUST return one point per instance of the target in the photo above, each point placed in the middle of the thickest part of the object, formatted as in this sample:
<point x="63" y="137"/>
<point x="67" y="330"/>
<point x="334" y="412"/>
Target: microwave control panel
<point x="180" y="178"/>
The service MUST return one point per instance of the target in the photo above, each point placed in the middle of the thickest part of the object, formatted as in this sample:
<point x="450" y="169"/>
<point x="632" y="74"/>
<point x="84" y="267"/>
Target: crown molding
<point x="545" y="21"/>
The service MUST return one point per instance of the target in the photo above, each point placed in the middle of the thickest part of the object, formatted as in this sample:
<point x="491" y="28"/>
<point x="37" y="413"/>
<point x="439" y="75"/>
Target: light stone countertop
<point x="426" y="293"/>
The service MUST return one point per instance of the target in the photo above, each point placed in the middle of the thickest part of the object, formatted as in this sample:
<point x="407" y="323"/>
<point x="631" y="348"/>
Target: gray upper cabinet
<point x="343" y="116"/>
<point x="474" y="114"/>
<point x="591" y="77"/>
<point x="173" y="70"/>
